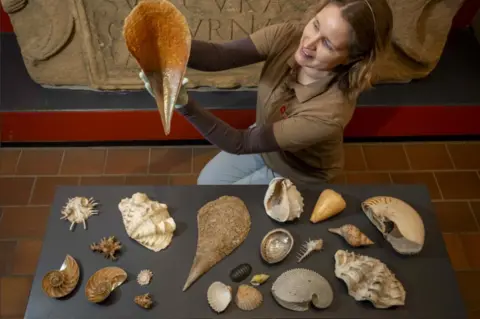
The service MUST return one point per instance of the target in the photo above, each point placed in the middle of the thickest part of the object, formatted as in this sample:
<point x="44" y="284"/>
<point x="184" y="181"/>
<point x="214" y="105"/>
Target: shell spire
<point x="352" y="235"/>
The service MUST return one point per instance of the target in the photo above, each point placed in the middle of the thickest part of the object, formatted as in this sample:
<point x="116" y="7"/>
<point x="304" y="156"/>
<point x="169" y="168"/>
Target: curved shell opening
<point x="276" y="245"/>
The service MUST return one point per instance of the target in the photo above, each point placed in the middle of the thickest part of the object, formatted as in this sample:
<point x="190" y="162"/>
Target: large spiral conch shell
<point x="248" y="298"/>
<point x="103" y="282"/>
<point x="352" y="235"/>
<point x="282" y="201"/>
<point x="59" y="283"/>
<point x="329" y="204"/>
<point x="158" y="36"/>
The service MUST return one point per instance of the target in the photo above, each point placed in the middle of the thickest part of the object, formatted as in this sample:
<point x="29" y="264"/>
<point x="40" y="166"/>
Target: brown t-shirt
<point x="308" y="121"/>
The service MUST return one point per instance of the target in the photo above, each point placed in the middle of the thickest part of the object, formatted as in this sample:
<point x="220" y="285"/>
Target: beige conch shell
<point x="352" y="235"/>
<point x="147" y="221"/>
<point x="329" y="203"/>
<point x="282" y="201"/>
<point x="223" y="225"/>
<point x="369" y="279"/>
<point x="59" y="283"/>
<point x="248" y="298"/>
<point x="399" y="223"/>
<point x="158" y="36"/>
<point x="100" y="285"/>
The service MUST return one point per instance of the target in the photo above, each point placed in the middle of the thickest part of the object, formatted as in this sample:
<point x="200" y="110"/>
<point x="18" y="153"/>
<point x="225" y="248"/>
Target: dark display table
<point x="428" y="278"/>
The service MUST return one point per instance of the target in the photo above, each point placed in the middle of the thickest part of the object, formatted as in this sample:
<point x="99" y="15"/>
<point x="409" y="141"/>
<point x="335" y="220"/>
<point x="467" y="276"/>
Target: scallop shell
<point x="259" y="279"/>
<point x="240" y="272"/>
<point x="219" y="296"/>
<point x="329" y="204"/>
<point x="59" y="283"/>
<point x="248" y="298"/>
<point x="399" y="223"/>
<point x="78" y="209"/>
<point x="276" y="245"/>
<point x="100" y="285"/>
<point x="282" y="201"/>
<point x="144" y="301"/>
<point x="148" y="222"/>
<point x="369" y="279"/>
<point x="296" y="288"/>
<point x="144" y="277"/>
<point x="352" y="235"/>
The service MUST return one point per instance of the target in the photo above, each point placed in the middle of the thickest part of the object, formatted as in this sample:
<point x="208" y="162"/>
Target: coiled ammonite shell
<point x="103" y="282"/>
<point x="59" y="283"/>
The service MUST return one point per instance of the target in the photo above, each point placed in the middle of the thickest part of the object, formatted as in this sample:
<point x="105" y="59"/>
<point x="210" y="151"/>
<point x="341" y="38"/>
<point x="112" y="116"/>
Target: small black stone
<point x="241" y="272"/>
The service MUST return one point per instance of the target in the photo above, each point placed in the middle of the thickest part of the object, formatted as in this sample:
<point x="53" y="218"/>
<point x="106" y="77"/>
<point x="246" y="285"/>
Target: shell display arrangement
<point x="223" y="225"/>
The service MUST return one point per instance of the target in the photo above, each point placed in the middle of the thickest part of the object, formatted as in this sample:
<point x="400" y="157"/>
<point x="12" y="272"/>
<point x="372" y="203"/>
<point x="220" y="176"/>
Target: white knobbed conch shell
<point x="296" y="288"/>
<point x="59" y="283"/>
<point x="369" y="279"/>
<point x="78" y="210"/>
<point x="147" y="221"/>
<point x="219" y="296"/>
<point x="248" y="298"/>
<point x="101" y="284"/>
<point x="399" y="223"/>
<point x="282" y="201"/>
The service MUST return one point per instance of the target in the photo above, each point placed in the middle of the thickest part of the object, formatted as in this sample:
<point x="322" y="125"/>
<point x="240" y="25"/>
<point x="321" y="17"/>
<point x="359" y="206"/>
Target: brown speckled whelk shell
<point x="223" y="225"/>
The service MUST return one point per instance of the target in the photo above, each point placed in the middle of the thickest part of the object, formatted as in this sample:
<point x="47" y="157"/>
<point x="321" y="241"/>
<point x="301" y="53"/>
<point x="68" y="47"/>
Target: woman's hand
<point x="182" y="98"/>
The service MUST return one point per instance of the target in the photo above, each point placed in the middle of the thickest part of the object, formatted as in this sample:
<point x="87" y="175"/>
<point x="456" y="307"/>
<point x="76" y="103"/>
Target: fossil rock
<point x="352" y="235"/>
<point x="107" y="246"/>
<point x="282" y="201"/>
<point x="276" y="245"/>
<point x="223" y="225"/>
<point x="369" y="279"/>
<point x="309" y="247"/>
<point x="59" y="283"/>
<point x="147" y="221"/>
<point x="399" y="223"/>
<point x="248" y="298"/>
<point x="219" y="296"/>
<point x="329" y="204"/>
<point x="78" y="210"/>
<point x="100" y="285"/>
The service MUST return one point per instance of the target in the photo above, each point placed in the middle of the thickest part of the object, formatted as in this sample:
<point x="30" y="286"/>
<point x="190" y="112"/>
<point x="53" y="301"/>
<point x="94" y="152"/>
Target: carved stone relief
<point x="80" y="42"/>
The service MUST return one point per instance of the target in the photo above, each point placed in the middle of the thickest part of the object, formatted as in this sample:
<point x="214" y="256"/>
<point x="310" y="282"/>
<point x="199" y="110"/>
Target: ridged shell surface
<point x="283" y="202"/>
<point x="369" y="279"/>
<point x="248" y="298"/>
<point x="276" y="245"/>
<point x="59" y="283"/>
<point x="103" y="282"/>
<point x="295" y="289"/>
<point x="241" y="272"/>
<point x="219" y="296"/>
<point x="12" y="6"/>
<point x="352" y="235"/>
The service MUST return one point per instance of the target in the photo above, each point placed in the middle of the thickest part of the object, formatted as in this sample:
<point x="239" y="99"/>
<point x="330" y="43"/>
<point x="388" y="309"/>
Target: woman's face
<point x="324" y="43"/>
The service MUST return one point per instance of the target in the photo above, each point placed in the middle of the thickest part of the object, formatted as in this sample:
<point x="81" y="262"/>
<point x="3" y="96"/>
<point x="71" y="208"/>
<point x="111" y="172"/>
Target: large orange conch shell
<point x="329" y="203"/>
<point x="158" y="36"/>
<point x="59" y="283"/>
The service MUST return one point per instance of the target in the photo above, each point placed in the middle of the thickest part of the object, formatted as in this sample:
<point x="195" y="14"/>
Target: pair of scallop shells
<point x="283" y="202"/>
<point x="219" y="297"/>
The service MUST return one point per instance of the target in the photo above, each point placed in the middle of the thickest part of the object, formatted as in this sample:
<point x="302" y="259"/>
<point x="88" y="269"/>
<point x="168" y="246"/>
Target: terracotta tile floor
<point x="28" y="178"/>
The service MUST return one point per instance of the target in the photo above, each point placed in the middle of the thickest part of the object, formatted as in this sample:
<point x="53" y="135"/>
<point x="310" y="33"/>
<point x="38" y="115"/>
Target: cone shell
<point x="103" y="282"/>
<point x="223" y="225"/>
<point x="283" y="202"/>
<point x="276" y="245"/>
<point x="158" y="36"/>
<point x="352" y="235"/>
<point x="248" y="298"/>
<point x="59" y="283"/>
<point x="219" y="296"/>
<point x="329" y="203"/>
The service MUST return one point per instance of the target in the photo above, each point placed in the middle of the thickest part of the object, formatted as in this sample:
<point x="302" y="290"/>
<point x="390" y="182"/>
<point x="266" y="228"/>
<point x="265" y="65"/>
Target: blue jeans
<point x="227" y="169"/>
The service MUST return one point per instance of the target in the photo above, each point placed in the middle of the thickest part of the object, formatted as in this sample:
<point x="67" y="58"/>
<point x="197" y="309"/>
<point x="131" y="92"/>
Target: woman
<point x="313" y="73"/>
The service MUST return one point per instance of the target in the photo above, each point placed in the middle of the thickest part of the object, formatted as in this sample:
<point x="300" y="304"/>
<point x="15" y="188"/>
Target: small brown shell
<point x="103" y="282"/>
<point x="144" y="301"/>
<point x="248" y="298"/>
<point x="59" y="283"/>
<point x="352" y="235"/>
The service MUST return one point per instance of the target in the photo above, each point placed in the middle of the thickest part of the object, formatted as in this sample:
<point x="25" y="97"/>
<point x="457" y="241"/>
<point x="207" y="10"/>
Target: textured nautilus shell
<point x="59" y="283"/>
<point x="103" y="282"/>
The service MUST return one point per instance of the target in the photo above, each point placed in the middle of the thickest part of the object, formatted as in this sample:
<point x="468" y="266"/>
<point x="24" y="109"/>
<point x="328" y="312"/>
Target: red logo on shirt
<point x="283" y="109"/>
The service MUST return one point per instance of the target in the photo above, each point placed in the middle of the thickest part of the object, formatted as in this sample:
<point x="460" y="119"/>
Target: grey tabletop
<point x="428" y="277"/>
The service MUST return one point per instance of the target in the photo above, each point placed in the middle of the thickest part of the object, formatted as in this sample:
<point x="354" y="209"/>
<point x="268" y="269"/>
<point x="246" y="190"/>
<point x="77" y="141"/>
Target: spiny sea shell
<point x="240" y="272"/>
<point x="219" y="296"/>
<point x="144" y="277"/>
<point x="399" y="223"/>
<point x="148" y="222"/>
<point x="259" y="279"/>
<point x="107" y="246"/>
<point x="248" y="298"/>
<point x="309" y="247"/>
<point x="223" y="225"/>
<point x="282" y="201"/>
<point x="329" y="203"/>
<point x="59" y="283"/>
<point x="352" y="235"/>
<point x="296" y="288"/>
<point x="103" y="282"/>
<point x="144" y="301"/>
<point x="276" y="245"/>
<point x="369" y="279"/>
<point x="78" y="209"/>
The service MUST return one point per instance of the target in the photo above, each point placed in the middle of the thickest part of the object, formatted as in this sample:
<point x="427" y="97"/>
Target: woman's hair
<point x="371" y="24"/>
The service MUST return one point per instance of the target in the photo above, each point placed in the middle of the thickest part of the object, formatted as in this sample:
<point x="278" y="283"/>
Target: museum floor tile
<point x="28" y="178"/>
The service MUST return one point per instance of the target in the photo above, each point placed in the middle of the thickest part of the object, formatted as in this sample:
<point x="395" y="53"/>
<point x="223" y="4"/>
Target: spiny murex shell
<point x="399" y="223"/>
<point x="276" y="245"/>
<point x="368" y="278"/>
<point x="147" y="221"/>
<point x="59" y="283"/>
<point x="283" y="202"/>
<point x="296" y="288"/>
<point x="219" y="296"/>
<point x="223" y="224"/>
<point x="248" y="298"/>
<point x="78" y="209"/>
<point x="103" y="282"/>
